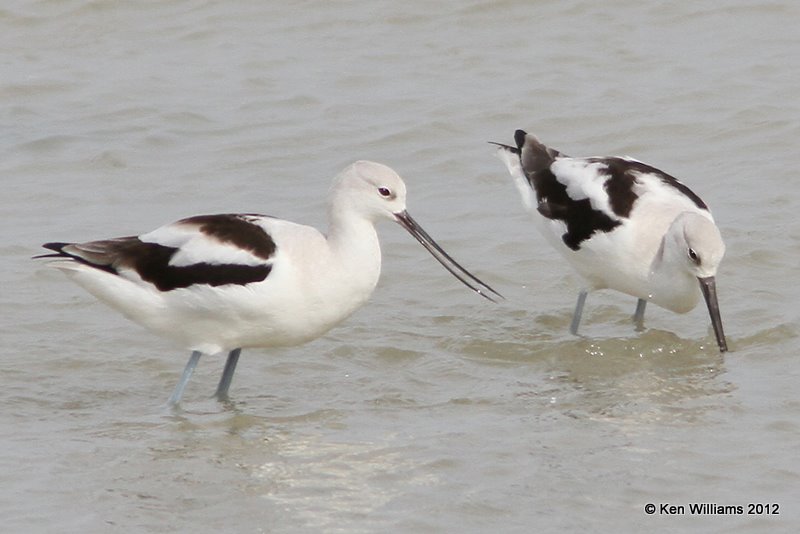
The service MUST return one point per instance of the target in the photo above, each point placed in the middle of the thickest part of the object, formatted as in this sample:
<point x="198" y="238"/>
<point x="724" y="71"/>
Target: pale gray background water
<point x="430" y="410"/>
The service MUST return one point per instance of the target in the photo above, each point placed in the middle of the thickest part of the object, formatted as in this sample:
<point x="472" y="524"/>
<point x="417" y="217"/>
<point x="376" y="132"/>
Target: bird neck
<point x="353" y="240"/>
<point x="671" y="285"/>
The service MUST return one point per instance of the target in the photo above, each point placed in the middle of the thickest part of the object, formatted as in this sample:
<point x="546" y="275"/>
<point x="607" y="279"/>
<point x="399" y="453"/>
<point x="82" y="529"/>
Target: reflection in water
<point x="303" y="479"/>
<point x="652" y="376"/>
<point x="346" y="480"/>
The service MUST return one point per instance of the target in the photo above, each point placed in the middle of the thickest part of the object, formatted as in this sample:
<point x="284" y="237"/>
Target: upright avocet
<point x="623" y="225"/>
<point x="224" y="282"/>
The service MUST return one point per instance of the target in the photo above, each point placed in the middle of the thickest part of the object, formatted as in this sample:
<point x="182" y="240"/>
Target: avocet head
<point x="696" y="245"/>
<point x="369" y="189"/>
<point x="375" y="191"/>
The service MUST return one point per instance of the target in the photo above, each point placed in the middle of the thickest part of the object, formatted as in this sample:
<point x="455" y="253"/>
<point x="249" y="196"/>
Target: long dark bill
<point x="709" y="288"/>
<point x="466" y="278"/>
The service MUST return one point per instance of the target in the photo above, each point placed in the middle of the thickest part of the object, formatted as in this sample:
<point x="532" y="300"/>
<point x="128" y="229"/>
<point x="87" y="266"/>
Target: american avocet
<point x="623" y="225"/>
<point x="223" y="282"/>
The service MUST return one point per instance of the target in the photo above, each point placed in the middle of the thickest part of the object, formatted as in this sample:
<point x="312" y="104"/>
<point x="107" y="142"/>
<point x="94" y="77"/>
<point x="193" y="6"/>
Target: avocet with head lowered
<point x="622" y="225"/>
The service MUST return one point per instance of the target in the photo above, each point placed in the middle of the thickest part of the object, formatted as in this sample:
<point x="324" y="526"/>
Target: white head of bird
<point x="692" y="246"/>
<point x="695" y="243"/>
<point x="692" y="249"/>
<point x="369" y="190"/>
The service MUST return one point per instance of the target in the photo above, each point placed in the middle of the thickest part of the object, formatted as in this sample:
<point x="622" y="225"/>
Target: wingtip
<point x="56" y="247"/>
<point x="502" y="147"/>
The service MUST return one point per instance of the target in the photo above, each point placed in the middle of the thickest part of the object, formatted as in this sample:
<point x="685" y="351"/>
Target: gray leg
<point x="576" y="317"/>
<point x="638" y="316"/>
<point x="187" y="374"/>
<point x="227" y="374"/>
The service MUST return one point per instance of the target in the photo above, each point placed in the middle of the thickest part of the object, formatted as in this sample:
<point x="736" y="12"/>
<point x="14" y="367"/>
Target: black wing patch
<point x="622" y="173"/>
<point x="554" y="203"/>
<point x="620" y="182"/>
<point x="581" y="219"/>
<point x="237" y="230"/>
<point x="151" y="261"/>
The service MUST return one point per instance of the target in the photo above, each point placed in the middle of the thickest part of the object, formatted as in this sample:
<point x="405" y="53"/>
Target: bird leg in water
<point x="638" y="315"/>
<point x="227" y="374"/>
<point x="576" y="317"/>
<point x="175" y="398"/>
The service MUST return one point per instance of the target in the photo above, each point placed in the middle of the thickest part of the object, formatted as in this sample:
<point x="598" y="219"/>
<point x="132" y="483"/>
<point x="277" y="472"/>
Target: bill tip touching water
<point x="623" y="225"/>
<point x="224" y="282"/>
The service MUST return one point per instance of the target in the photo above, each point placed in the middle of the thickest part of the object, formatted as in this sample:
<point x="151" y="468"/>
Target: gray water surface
<point x="431" y="409"/>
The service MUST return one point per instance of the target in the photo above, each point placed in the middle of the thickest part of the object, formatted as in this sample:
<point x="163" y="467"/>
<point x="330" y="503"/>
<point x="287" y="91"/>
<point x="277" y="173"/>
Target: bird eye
<point x="693" y="256"/>
<point x="384" y="192"/>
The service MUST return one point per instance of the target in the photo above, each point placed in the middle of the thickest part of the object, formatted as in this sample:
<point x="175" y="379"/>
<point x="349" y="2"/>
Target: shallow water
<point x="429" y="410"/>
